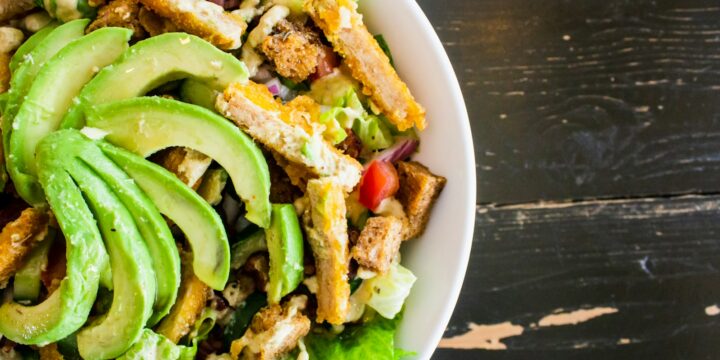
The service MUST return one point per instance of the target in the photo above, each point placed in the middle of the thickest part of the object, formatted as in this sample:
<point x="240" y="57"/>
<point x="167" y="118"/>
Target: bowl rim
<point x="449" y="73"/>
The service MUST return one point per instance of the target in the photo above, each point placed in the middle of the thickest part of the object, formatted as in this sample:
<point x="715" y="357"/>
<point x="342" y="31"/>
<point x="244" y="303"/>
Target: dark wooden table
<point x="597" y="138"/>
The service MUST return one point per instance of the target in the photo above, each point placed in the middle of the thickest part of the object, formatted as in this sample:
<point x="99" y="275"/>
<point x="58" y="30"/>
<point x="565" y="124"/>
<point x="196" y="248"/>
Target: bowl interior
<point x="439" y="258"/>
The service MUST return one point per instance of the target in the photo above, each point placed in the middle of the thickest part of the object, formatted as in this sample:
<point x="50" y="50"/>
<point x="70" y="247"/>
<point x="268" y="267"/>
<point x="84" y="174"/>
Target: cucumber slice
<point x="153" y="62"/>
<point x="45" y="105"/>
<point x="202" y="226"/>
<point x="146" y="125"/>
<point x="285" y="245"/>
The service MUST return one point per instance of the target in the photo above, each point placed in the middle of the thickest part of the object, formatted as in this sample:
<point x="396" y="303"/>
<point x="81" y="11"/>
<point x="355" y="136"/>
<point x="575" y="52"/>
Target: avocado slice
<point x="26" y="283"/>
<point x="146" y="125"/>
<point x="245" y="247"/>
<point x="28" y="68"/>
<point x="285" y="245"/>
<point x="29" y="45"/>
<point x="202" y="226"/>
<point x="152" y="226"/>
<point x="198" y="93"/>
<point x="66" y="309"/>
<point x="153" y="62"/>
<point x="45" y="106"/>
<point x="133" y="277"/>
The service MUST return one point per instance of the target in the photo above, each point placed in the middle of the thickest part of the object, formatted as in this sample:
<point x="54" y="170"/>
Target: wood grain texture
<point x="654" y="260"/>
<point x="584" y="99"/>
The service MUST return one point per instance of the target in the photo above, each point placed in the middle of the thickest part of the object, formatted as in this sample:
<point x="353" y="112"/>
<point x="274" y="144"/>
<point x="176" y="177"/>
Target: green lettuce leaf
<point x="152" y="346"/>
<point x="374" y="339"/>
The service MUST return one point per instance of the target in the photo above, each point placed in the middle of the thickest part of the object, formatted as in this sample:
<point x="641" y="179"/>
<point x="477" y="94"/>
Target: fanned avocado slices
<point x="285" y="245"/>
<point x="43" y="109"/>
<point x="66" y="309"/>
<point x="156" y="61"/>
<point x="202" y="226"/>
<point x="146" y="125"/>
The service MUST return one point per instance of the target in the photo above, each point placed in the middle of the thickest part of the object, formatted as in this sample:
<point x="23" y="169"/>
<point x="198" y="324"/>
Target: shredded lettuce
<point x="155" y="346"/>
<point x="387" y="293"/>
<point x="374" y="339"/>
<point x="373" y="132"/>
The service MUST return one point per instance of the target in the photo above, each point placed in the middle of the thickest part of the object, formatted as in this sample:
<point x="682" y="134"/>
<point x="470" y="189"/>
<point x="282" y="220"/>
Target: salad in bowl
<point x="205" y="179"/>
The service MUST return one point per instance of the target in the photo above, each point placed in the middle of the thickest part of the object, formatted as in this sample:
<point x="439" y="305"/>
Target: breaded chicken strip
<point x="190" y="303"/>
<point x="18" y="238"/>
<point x="202" y="18"/>
<point x="344" y="27"/>
<point x="274" y="331"/>
<point x="327" y="232"/>
<point x="120" y="13"/>
<point x="253" y="108"/>
<point x="12" y="8"/>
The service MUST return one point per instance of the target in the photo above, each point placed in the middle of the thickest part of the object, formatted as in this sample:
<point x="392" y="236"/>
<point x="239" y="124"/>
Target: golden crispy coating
<point x="326" y="228"/>
<point x="419" y="189"/>
<point x="155" y="24"/>
<point x="187" y="164"/>
<point x="379" y="243"/>
<point x="293" y="49"/>
<point x="202" y="18"/>
<point x="18" y="238"/>
<point x="4" y="72"/>
<point x="274" y="331"/>
<point x="50" y="352"/>
<point x="190" y="303"/>
<point x="343" y="26"/>
<point x="120" y="13"/>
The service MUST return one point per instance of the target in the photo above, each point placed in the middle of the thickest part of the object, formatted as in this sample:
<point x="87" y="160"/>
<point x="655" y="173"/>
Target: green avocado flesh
<point x="153" y="62"/>
<point x="23" y="77"/>
<point x="26" y="284"/>
<point x="146" y="125"/>
<point x="152" y="226"/>
<point x="202" y="226"/>
<point x="43" y="109"/>
<point x="134" y="281"/>
<point x="29" y="45"/>
<point x="66" y="309"/>
<point x="285" y="245"/>
<point x="195" y="92"/>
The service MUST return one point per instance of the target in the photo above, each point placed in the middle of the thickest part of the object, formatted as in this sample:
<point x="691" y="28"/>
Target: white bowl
<point x="439" y="258"/>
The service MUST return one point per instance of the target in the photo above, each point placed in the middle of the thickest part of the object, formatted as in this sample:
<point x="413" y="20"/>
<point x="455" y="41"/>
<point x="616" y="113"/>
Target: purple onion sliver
<point x="400" y="151"/>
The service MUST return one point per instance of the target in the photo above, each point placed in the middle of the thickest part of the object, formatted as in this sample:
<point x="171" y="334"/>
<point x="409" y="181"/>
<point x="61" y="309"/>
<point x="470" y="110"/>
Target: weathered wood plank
<point x="654" y="261"/>
<point x="584" y="98"/>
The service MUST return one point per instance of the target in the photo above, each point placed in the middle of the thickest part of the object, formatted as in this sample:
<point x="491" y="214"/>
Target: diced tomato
<point x="327" y="62"/>
<point x="379" y="182"/>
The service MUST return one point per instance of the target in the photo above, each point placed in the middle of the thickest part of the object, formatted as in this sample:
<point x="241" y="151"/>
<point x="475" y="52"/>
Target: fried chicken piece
<point x="379" y="243"/>
<point x="419" y="189"/>
<point x="274" y="331"/>
<point x="192" y="297"/>
<point x="120" y="13"/>
<point x="293" y="49"/>
<point x="187" y="164"/>
<point x="12" y="8"/>
<point x="327" y="232"/>
<point x="155" y="24"/>
<point x="18" y="238"/>
<point x="344" y="27"/>
<point x="4" y="74"/>
<point x="50" y="352"/>
<point x="253" y="108"/>
<point x="202" y="18"/>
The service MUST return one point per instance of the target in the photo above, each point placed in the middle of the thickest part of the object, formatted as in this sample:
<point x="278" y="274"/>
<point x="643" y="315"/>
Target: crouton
<point x="202" y="18"/>
<point x="293" y="49"/>
<point x="4" y="73"/>
<point x="190" y="303"/>
<point x="379" y="243"/>
<point x="327" y="232"/>
<point x="12" y="8"/>
<point x="120" y="13"/>
<point x="344" y="27"/>
<point x="258" y="266"/>
<point x="274" y="331"/>
<point x="419" y="188"/>
<point x="253" y="108"/>
<point x="187" y="164"/>
<point x="155" y="24"/>
<point x="18" y="238"/>
<point x="50" y="352"/>
<point x="10" y="39"/>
